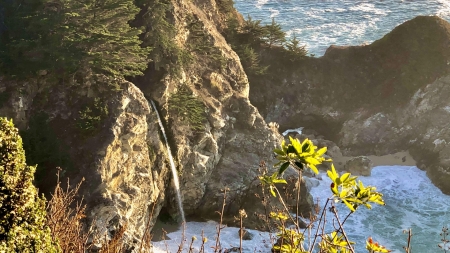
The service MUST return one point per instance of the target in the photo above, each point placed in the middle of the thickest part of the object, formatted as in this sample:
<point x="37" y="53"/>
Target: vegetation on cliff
<point x="65" y="38"/>
<point x="23" y="225"/>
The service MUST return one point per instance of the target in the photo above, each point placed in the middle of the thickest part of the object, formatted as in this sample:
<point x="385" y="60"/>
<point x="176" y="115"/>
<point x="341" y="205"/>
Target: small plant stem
<point x="241" y="234"/>
<point x="298" y="199"/>
<point x="202" y="247"/>
<point x="191" y="248"/>
<point x="318" y="226"/>
<point x="342" y="229"/>
<point x="408" y="246"/>
<point x="348" y="215"/>
<point x="183" y="238"/>
<point x="147" y="236"/>
<point x="219" y="228"/>
<point x="285" y="207"/>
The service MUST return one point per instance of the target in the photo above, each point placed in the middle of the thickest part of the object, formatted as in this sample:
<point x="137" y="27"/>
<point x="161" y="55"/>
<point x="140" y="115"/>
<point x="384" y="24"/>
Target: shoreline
<point x="402" y="158"/>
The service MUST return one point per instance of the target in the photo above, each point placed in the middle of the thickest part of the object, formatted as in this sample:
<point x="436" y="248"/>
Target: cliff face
<point x="374" y="99"/>
<point x="119" y="150"/>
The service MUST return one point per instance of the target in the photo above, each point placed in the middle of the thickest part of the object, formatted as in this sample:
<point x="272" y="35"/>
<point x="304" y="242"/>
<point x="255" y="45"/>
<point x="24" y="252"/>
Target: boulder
<point x="359" y="166"/>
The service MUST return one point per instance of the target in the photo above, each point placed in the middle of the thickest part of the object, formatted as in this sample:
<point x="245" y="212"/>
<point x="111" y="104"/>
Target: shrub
<point x="189" y="108"/>
<point x="22" y="211"/>
<point x="345" y="189"/>
<point x="91" y="116"/>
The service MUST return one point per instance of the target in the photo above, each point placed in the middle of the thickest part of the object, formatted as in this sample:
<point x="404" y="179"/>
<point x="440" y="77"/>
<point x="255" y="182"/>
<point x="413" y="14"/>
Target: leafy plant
<point x="344" y="189"/>
<point x="66" y="37"/>
<point x="91" y="116"/>
<point x="22" y="211"/>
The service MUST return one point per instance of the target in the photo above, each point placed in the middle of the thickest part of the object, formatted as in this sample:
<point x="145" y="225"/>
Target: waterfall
<point x="172" y="165"/>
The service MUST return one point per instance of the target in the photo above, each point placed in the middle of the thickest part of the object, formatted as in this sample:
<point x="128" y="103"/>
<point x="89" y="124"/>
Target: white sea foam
<point x="261" y="3"/>
<point x="412" y="201"/>
<point x="274" y="13"/>
<point x="229" y="238"/>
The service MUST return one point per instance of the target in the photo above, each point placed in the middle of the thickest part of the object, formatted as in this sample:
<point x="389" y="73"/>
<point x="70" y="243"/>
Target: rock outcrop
<point x="359" y="166"/>
<point x="375" y="99"/>
<point x="127" y="179"/>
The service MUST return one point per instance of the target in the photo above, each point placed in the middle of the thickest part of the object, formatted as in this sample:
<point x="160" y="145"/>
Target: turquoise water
<point x="321" y="23"/>
<point x="412" y="201"/>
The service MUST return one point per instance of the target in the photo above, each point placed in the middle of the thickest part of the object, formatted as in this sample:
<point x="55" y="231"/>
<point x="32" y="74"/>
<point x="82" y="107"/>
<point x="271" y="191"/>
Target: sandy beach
<point x="399" y="158"/>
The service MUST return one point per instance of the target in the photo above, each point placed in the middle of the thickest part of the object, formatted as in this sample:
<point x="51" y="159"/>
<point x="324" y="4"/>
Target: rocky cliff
<point x="372" y="99"/>
<point x="111" y="138"/>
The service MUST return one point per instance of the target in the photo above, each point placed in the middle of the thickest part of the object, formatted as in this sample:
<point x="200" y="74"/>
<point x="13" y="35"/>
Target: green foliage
<point x="274" y="34"/>
<point x="200" y="43"/>
<point x="160" y="34"/>
<point x="335" y="243"/>
<point x="299" y="155"/>
<point x="250" y="60"/>
<point x="69" y="36"/>
<point x="189" y="108"/>
<point x="44" y="148"/>
<point x="252" y="32"/>
<point x="92" y="116"/>
<point x="295" y="51"/>
<point x="344" y="189"/>
<point x="22" y="211"/>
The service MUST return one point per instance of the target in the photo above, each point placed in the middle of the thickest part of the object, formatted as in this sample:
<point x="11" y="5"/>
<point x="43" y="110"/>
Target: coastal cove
<point x="161" y="113"/>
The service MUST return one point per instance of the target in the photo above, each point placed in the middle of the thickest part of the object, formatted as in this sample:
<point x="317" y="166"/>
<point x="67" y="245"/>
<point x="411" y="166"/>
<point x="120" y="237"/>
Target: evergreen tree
<point x="274" y="34"/>
<point x="295" y="50"/>
<point x="250" y="61"/>
<point x="67" y="36"/>
<point x="100" y="29"/>
<point x="159" y="32"/>
<point x="252" y="32"/>
<point x="22" y="211"/>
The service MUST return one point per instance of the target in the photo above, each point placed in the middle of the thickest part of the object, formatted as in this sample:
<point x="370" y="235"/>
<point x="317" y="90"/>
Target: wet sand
<point x="399" y="158"/>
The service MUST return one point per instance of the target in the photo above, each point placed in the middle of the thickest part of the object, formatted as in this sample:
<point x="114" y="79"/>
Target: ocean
<point x="321" y="23"/>
<point x="412" y="202"/>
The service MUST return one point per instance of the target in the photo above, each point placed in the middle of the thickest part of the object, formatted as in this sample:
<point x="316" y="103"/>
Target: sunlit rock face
<point x="227" y="151"/>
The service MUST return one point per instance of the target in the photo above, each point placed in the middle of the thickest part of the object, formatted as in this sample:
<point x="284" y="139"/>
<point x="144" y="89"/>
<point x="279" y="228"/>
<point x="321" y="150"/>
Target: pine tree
<point x="22" y="211"/>
<point x="101" y="30"/>
<point x="274" y="34"/>
<point x="295" y="50"/>
<point x="66" y="36"/>
<point x="252" y="32"/>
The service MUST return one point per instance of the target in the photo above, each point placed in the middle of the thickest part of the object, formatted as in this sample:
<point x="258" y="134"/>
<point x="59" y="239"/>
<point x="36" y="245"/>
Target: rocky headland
<point x="375" y="99"/>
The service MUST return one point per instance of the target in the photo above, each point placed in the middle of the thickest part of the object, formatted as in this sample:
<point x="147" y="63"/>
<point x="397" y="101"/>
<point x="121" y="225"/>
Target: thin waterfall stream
<point x="172" y="165"/>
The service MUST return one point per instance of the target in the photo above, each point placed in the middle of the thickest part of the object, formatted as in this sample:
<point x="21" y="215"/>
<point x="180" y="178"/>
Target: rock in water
<point x="359" y="166"/>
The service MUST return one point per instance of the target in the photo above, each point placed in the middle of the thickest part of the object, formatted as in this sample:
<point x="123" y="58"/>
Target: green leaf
<point x="272" y="191"/>
<point x="321" y="151"/>
<point x="348" y="205"/>
<point x="279" y="152"/>
<point x="296" y="144"/>
<point x="313" y="168"/>
<point x="279" y="181"/>
<point x="299" y="165"/>
<point x="283" y="167"/>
